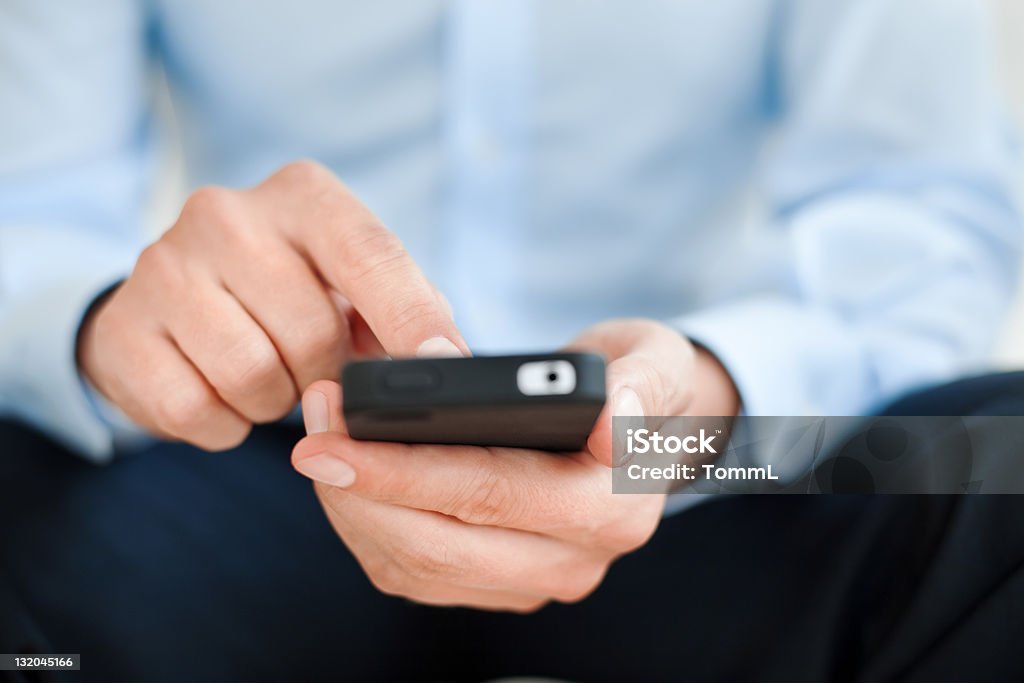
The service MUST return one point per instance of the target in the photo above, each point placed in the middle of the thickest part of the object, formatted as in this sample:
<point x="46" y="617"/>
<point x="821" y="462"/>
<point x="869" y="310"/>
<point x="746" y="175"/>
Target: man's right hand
<point x="251" y="296"/>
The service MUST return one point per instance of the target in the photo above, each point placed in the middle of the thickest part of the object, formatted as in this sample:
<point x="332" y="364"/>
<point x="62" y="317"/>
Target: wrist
<point x="715" y="393"/>
<point x="84" y="338"/>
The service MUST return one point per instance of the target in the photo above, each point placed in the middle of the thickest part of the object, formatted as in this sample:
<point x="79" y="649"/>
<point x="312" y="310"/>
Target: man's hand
<point x="502" y="528"/>
<point x="250" y="297"/>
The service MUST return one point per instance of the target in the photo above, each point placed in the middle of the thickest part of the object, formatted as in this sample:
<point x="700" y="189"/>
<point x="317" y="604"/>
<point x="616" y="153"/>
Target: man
<point x="790" y="207"/>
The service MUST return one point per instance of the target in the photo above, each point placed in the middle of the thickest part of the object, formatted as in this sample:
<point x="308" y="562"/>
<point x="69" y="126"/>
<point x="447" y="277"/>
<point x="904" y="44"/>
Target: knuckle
<point x="180" y="411"/>
<point x="647" y="327"/>
<point x="487" y="499"/>
<point x="304" y="172"/>
<point x="427" y="560"/>
<point x="162" y="262"/>
<point x="370" y="249"/>
<point x="627" y="533"/>
<point x="644" y="372"/>
<point x="424" y="563"/>
<point x="389" y="578"/>
<point x="324" y="338"/>
<point x="249" y="367"/>
<point x="211" y="204"/>
<point x="279" y="408"/>
<point x="393" y="485"/>
<point x="529" y="607"/>
<point x="408" y="318"/>
<point x="226" y="440"/>
<point x="221" y="210"/>
<point x="661" y="388"/>
<point x="580" y="583"/>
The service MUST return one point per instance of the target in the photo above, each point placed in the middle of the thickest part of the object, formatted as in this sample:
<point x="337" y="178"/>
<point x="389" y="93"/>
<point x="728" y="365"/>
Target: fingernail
<point x="314" y="412"/>
<point x="438" y="347"/>
<point x="627" y="404"/>
<point x="326" y="468"/>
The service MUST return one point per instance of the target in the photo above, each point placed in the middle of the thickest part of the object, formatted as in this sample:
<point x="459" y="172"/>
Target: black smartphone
<point x="543" y="401"/>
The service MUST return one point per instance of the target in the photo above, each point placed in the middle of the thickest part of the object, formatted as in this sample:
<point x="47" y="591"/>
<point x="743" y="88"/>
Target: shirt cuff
<point x="46" y="390"/>
<point x="785" y="358"/>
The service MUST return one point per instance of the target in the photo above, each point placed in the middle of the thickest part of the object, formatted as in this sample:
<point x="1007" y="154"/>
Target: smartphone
<point x="541" y="401"/>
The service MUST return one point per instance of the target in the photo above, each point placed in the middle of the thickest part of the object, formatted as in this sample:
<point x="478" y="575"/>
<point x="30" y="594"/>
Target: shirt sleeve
<point x="890" y="176"/>
<point x="75" y="135"/>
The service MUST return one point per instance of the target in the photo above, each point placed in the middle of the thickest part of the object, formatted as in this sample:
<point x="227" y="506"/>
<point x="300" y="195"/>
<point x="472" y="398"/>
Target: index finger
<point x="367" y="263"/>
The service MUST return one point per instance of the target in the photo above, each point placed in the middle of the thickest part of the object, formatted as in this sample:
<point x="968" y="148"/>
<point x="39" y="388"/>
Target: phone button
<point x="409" y="379"/>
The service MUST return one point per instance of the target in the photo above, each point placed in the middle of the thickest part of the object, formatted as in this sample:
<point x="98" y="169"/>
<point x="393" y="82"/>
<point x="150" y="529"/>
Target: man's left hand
<point x="505" y="528"/>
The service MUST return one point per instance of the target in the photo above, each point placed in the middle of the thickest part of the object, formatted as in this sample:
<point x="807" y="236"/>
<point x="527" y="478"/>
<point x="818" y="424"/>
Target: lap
<point x="174" y="560"/>
<point x="174" y="564"/>
<point x="790" y="588"/>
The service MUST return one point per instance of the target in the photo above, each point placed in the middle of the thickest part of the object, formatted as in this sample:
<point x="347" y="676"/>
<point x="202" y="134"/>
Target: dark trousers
<point x="174" y="565"/>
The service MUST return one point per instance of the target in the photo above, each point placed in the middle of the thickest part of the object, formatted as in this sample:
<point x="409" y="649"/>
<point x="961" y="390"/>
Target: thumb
<point x="649" y="374"/>
<point x="623" y="410"/>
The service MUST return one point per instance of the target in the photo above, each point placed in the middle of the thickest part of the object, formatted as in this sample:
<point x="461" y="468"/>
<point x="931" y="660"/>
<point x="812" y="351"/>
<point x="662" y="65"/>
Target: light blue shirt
<point x="817" y="190"/>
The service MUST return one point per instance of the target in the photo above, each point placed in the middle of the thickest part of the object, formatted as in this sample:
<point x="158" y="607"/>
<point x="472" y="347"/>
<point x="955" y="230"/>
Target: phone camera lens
<point x="546" y="378"/>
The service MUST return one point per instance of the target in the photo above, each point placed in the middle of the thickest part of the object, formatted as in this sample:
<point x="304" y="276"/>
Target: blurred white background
<point x="1008" y="16"/>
